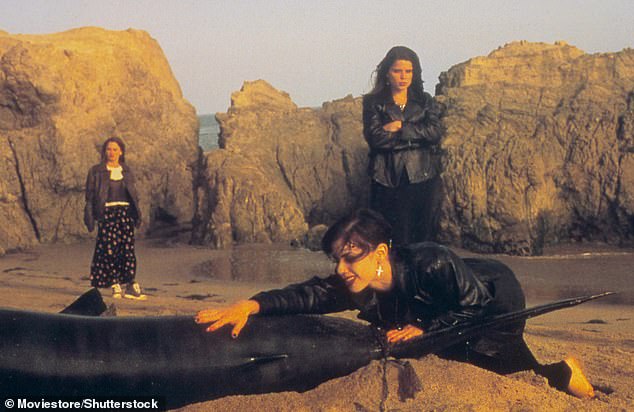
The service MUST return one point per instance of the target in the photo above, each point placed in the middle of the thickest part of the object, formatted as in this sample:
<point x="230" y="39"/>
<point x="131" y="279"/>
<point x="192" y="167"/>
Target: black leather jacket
<point x="414" y="148"/>
<point x="433" y="288"/>
<point x="97" y="184"/>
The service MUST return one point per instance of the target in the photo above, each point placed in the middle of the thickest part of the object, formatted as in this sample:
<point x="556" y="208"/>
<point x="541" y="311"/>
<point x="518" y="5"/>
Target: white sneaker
<point x="117" y="293"/>
<point x="133" y="291"/>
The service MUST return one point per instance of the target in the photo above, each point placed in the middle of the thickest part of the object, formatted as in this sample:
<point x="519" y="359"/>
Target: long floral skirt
<point x="114" y="260"/>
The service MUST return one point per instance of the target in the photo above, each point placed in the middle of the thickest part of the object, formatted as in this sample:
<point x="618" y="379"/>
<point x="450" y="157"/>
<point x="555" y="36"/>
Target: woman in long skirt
<point x="112" y="201"/>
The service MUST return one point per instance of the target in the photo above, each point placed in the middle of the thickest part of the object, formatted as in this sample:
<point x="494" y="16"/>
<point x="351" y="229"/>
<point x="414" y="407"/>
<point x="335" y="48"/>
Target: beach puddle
<point x="265" y="263"/>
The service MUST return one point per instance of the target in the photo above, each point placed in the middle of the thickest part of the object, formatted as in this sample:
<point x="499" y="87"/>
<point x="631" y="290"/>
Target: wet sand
<point x="181" y="279"/>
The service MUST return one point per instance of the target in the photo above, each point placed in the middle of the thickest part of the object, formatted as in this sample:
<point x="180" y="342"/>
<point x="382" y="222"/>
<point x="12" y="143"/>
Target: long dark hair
<point x="116" y="140"/>
<point x="398" y="53"/>
<point x="364" y="227"/>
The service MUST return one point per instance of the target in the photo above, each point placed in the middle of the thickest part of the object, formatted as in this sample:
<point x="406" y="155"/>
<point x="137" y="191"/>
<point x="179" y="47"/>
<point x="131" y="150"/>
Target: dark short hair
<point x="364" y="227"/>
<point x="382" y="69"/>
<point x="119" y="142"/>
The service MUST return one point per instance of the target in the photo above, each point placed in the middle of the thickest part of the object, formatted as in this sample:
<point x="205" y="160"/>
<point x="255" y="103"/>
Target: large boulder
<point x="540" y="148"/>
<point x="280" y="168"/>
<point x="61" y="96"/>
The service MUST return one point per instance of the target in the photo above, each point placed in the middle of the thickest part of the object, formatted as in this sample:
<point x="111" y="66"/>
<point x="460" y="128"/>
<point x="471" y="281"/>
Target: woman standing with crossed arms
<point x="402" y="128"/>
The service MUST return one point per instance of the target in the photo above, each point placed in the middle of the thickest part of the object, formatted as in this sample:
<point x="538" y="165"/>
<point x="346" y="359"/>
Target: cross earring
<point x="379" y="271"/>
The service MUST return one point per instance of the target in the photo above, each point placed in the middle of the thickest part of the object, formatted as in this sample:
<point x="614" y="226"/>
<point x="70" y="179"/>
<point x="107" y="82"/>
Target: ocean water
<point x="208" y="132"/>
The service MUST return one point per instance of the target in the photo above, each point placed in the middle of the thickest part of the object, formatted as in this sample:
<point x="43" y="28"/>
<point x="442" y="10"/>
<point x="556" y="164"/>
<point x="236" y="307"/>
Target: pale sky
<point x="321" y="50"/>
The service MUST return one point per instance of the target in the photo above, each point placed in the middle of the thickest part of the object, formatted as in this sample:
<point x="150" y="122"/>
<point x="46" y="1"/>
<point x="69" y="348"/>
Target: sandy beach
<point x="181" y="279"/>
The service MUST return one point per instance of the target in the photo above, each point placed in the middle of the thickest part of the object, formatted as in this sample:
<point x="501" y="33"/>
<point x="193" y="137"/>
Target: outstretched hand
<point x="403" y="334"/>
<point x="236" y="315"/>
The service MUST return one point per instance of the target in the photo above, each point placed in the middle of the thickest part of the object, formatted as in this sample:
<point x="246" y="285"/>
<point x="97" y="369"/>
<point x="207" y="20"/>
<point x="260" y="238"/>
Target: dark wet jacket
<point x="433" y="288"/>
<point x="97" y="184"/>
<point x="413" y="150"/>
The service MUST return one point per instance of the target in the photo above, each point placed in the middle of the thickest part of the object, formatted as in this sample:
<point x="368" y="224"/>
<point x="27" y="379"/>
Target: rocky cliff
<point x="540" y="148"/>
<point x="280" y="168"/>
<point x="61" y="96"/>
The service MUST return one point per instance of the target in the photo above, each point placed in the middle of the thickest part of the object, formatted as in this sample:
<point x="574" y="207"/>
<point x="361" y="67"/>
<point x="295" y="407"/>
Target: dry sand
<point x="181" y="279"/>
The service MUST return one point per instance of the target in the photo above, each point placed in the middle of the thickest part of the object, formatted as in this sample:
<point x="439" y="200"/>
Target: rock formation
<point x="61" y="96"/>
<point x="540" y="148"/>
<point x="280" y="168"/>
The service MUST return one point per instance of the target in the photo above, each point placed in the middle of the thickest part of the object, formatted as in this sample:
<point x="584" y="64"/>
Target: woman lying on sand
<point x="408" y="291"/>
